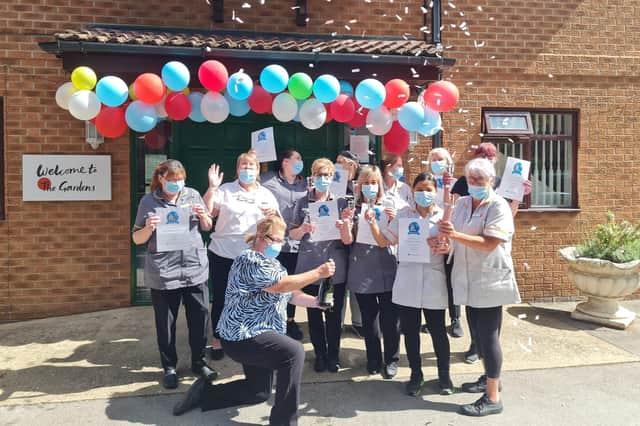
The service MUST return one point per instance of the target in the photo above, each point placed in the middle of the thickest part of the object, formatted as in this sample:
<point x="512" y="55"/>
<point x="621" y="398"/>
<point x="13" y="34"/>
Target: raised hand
<point x="215" y="176"/>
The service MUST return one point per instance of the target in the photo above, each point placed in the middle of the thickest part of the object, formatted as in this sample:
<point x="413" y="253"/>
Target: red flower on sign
<point x="44" y="184"/>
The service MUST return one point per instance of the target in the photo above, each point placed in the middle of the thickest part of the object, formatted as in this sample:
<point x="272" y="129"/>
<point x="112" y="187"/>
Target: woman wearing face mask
<point x="440" y="162"/>
<point x="421" y="286"/>
<point x="481" y="230"/>
<point x="178" y="275"/>
<point x="238" y="205"/>
<point x="252" y="328"/>
<point x="392" y="173"/>
<point x="324" y="327"/>
<point x="372" y="270"/>
<point x="288" y="186"/>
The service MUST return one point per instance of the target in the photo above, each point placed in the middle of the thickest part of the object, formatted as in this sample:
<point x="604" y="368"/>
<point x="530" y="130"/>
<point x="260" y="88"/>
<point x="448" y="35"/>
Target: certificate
<point x="516" y="171"/>
<point x="324" y="215"/>
<point x="359" y="145"/>
<point x="340" y="180"/>
<point x="263" y="143"/>
<point x="172" y="233"/>
<point x="412" y="240"/>
<point x="364" y="228"/>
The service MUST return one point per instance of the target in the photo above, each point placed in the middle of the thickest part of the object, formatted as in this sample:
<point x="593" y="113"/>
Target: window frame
<point x="488" y="113"/>
<point x="527" y="140"/>
<point x="2" y="174"/>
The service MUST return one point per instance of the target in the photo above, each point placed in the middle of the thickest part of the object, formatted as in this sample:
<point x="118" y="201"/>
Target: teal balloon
<point x="196" y="111"/>
<point x="274" y="78"/>
<point x="326" y="88"/>
<point x="431" y="123"/>
<point x="239" y="86"/>
<point x="346" y="88"/>
<point x="237" y="108"/>
<point x="112" y="91"/>
<point x="370" y="93"/>
<point x="411" y="116"/>
<point x="141" y="117"/>
<point x="175" y="75"/>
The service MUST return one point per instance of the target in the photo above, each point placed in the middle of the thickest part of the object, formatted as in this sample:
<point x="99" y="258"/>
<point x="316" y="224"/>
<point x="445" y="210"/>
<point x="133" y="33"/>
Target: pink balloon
<point x="441" y="96"/>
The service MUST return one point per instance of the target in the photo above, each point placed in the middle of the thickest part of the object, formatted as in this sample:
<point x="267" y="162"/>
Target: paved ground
<point x="101" y="368"/>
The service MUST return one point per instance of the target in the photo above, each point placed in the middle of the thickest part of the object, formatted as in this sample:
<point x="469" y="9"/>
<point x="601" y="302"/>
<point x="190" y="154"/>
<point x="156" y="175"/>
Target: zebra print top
<point x="248" y="310"/>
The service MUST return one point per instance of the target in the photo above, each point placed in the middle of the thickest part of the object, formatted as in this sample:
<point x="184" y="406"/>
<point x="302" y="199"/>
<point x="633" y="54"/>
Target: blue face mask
<point x="478" y="192"/>
<point x="424" y="198"/>
<point x="370" y="191"/>
<point x="297" y="167"/>
<point x="272" y="250"/>
<point x="322" y="183"/>
<point x="398" y="173"/>
<point x="247" y="176"/>
<point x="438" y="167"/>
<point x="174" y="187"/>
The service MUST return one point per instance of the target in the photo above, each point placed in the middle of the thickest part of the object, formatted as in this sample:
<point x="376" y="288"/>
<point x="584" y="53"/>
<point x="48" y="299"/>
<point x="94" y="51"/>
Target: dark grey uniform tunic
<point x="180" y="268"/>
<point x="314" y="253"/>
<point x="288" y="195"/>
<point x="372" y="269"/>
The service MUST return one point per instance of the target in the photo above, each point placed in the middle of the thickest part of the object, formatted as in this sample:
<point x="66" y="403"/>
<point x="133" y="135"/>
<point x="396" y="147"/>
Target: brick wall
<point x="73" y="257"/>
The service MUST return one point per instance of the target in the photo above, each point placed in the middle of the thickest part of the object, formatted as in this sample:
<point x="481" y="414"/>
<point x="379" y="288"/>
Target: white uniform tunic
<point x="400" y="191"/>
<point x="240" y="211"/>
<point x="484" y="279"/>
<point x="419" y="285"/>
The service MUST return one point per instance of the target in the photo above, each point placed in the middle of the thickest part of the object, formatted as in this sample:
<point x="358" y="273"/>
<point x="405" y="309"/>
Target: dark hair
<point x="169" y="169"/>
<point x="285" y="155"/>
<point x="387" y="160"/>
<point x="424" y="176"/>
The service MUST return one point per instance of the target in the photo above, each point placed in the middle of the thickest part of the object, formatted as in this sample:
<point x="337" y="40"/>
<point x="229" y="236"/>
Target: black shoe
<point x="424" y="329"/>
<point x="333" y="366"/>
<point x="191" y="398"/>
<point x="373" y="367"/>
<point x="294" y="331"/>
<point x="482" y="407"/>
<point x="446" y="385"/>
<point x="478" y="386"/>
<point x="320" y="364"/>
<point x="170" y="379"/>
<point x="390" y="370"/>
<point x="215" y="354"/>
<point x="471" y="356"/>
<point x="414" y="385"/>
<point x="204" y="371"/>
<point x="455" y="329"/>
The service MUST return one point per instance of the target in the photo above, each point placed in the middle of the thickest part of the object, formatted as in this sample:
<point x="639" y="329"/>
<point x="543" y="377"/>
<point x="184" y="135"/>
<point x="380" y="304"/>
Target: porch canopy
<point x="130" y="50"/>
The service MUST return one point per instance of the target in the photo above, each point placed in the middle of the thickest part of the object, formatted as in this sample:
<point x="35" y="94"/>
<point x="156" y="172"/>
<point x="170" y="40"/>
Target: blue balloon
<point x="370" y="93"/>
<point x="112" y="91"/>
<point x="431" y="124"/>
<point x="346" y="88"/>
<point x="274" y="78"/>
<point x="237" y="108"/>
<point x="411" y="116"/>
<point x="326" y="88"/>
<point x="196" y="111"/>
<point x="239" y="86"/>
<point x="141" y="117"/>
<point x="175" y="75"/>
<point x="300" y="103"/>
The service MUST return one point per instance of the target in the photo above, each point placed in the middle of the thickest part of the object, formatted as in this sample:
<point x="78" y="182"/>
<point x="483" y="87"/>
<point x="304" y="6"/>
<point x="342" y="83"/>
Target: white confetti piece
<point x="503" y="90"/>
<point x="478" y="44"/>
<point x="375" y="56"/>
<point x="492" y="57"/>
<point x="511" y="140"/>
<point x="333" y="34"/>
<point x="533" y="227"/>
<point x="353" y="21"/>
<point x="530" y="341"/>
<point x="424" y="162"/>
<point x="469" y="83"/>
<point x="246" y="6"/>
<point x="410" y="160"/>
<point x="413" y="70"/>
<point x="406" y="10"/>
<point x="526" y="266"/>
<point x="399" y="18"/>
<point x="524" y="348"/>
<point x="480" y="8"/>
<point x="423" y="10"/>
<point x="461" y="130"/>
<point x="355" y="70"/>
<point x="491" y="18"/>
<point x="239" y="20"/>
<point x="347" y="27"/>
<point x="467" y="33"/>
<point x="550" y="75"/>
<point x="522" y="316"/>
<point x="329" y="22"/>
<point x="451" y="5"/>
<point x="537" y="317"/>
<point x="311" y="65"/>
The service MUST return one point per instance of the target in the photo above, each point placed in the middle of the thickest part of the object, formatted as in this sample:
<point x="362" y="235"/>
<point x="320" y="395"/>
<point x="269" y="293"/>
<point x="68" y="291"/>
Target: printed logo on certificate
<point x="364" y="228"/>
<point x="340" y="181"/>
<point x="412" y="240"/>
<point x="324" y="215"/>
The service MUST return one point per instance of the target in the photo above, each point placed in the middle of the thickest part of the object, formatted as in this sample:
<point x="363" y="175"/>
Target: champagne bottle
<point x="325" y="293"/>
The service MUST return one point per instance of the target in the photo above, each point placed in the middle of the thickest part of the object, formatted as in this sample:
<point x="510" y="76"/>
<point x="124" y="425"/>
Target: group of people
<point x="263" y="261"/>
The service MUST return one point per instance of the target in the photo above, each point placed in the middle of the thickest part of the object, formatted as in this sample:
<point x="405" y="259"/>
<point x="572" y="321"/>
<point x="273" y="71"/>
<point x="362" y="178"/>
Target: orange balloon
<point x="149" y="88"/>
<point x="398" y="92"/>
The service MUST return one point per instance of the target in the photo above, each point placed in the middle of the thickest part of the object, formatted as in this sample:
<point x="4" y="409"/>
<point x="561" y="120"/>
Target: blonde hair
<point x="353" y="165"/>
<point x="248" y="156"/>
<point x="366" y="173"/>
<point x="265" y="227"/>
<point x="322" y="163"/>
<point x="169" y="169"/>
<point x="443" y="153"/>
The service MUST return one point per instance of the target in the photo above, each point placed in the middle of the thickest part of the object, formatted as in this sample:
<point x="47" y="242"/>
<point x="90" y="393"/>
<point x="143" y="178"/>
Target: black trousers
<point x="260" y="356"/>
<point x="454" y="310"/>
<point x="219" y="268"/>
<point x="372" y="306"/>
<point x="488" y="323"/>
<point x="166" y="305"/>
<point x="289" y="261"/>
<point x="325" y="327"/>
<point x="410" y="325"/>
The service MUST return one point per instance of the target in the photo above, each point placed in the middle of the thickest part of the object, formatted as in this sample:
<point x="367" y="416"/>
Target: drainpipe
<point x="436" y="39"/>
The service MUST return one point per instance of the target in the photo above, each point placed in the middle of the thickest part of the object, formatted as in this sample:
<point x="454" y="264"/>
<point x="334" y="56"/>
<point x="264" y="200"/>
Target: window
<point x="551" y="147"/>
<point x="2" y="212"/>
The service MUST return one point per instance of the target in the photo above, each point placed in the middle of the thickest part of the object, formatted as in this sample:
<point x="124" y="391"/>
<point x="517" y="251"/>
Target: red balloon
<point x="396" y="141"/>
<point x="149" y="88"/>
<point x="110" y="122"/>
<point x="213" y="75"/>
<point x="327" y="107"/>
<point x="359" y="117"/>
<point x="398" y="92"/>
<point x="441" y="96"/>
<point x="260" y="100"/>
<point x="343" y="109"/>
<point x="177" y="106"/>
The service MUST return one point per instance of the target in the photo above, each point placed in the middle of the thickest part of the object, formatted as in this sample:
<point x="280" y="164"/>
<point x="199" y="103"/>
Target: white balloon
<point x="284" y="107"/>
<point x="313" y="114"/>
<point x="379" y="121"/>
<point x="160" y="110"/>
<point x="215" y="107"/>
<point x="84" y="105"/>
<point x="63" y="94"/>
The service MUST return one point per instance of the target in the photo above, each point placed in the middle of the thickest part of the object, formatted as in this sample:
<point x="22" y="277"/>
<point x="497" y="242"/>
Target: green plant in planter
<point x="618" y="242"/>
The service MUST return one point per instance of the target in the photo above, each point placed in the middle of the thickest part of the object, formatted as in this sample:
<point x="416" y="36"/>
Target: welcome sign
<point x="66" y="177"/>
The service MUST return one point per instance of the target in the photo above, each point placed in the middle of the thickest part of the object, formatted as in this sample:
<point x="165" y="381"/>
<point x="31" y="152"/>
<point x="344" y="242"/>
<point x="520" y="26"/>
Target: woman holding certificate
<point x="481" y="229"/>
<point x="318" y="225"/>
<point x="168" y="223"/>
<point x="238" y="206"/>
<point x="372" y="270"/>
<point x="420" y="283"/>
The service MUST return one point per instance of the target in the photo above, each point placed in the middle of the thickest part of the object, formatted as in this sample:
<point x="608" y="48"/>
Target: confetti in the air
<point x="522" y="316"/>
<point x="355" y="70"/>
<point x="347" y="27"/>
<point x="399" y="18"/>
<point x="452" y="6"/>
<point x="537" y="317"/>
<point x="526" y="266"/>
<point x="550" y="75"/>
<point x="353" y="21"/>
<point x="478" y="44"/>
<point x="469" y="83"/>
<point x="524" y="348"/>
<point x="246" y="6"/>
<point x="480" y="8"/>
<point x="423" y="10"/>
<point x="329" y="22"/>
<point x="533" y="227"/>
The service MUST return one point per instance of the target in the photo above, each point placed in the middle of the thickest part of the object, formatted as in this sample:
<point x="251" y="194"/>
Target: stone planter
<point x="605" y="283"/>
